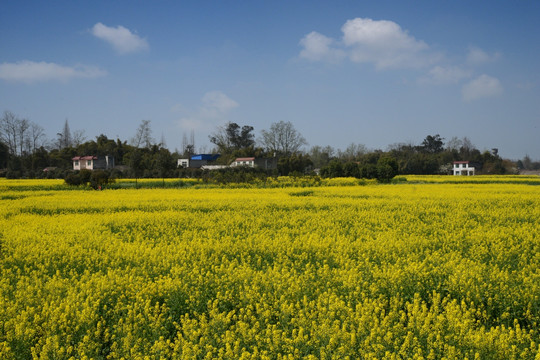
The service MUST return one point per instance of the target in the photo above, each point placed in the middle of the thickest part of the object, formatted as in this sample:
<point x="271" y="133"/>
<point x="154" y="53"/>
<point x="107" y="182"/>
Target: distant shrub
<point x="73" y="179"/>
<point x="99" y="179"/>
<point x="96" y="179"/>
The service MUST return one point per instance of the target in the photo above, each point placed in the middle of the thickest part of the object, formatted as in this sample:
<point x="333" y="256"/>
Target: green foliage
<point x="368" y="171"/>
<point x="387" y="168"/>
<point x="433" y="144"/>
<point x="240" y="174"/>
<point x="351" y="169"/>
<point x="4" y="155"/>
<point x="334" y="169"/>
<point x="164" y="163"/>
<point x="136" y="163"/>
<point x="232" y="137"/>
<point x="73" y="179"/>
<point x="296" y="163"/>
<point x="99" y="179"/>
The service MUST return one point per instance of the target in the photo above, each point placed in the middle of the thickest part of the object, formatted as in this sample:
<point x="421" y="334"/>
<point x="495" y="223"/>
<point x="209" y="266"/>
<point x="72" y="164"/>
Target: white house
<point x="463" y="168"/>
<point x="183" y="163"/>
<point x="263" y="163"/>
<point x="197" y="161"/>
<point x="246" y="161"/>
<point x="92" y="162"/>
<point x="83" y="162"/>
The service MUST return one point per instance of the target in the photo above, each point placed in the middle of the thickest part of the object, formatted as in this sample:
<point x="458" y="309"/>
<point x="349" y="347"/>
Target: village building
<point x="93" y="162"/>
<point x="264" y="163"/>
<point x="198" y="161"/>
<point x="463" y="168"/>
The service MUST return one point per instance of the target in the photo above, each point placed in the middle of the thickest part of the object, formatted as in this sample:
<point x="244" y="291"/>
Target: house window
<point x="76" y="162"/>
<point x="88" y="162"/>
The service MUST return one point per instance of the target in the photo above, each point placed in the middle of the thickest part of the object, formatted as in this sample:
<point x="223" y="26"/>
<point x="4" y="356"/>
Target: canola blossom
<point x="430" y="268"/>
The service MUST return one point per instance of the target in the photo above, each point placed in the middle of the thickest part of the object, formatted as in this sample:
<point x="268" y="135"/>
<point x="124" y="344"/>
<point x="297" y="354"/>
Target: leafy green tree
<point x="136" y="164"/>
<point x="387" y="168"/>
<point x="334" y="169"/>
<point x="232" y="140"/>
<point x="433" y="144"/>
<point x="165" y="163"/>
<point x="99" y="179"/>
<point x="368" y="171"/>
<point x="297" y="163"/>
<point x="351" y="169"/>
<point x="4" y="155"/>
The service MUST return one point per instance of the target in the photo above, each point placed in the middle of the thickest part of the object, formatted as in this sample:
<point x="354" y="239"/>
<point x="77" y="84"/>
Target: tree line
<point x="25" y="152"/>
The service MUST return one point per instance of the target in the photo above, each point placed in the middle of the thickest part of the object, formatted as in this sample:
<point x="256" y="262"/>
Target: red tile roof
<point x="85" y="158"/>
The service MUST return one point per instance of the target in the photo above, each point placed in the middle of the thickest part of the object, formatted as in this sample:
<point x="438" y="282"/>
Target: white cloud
<point x="122" y="39"/>
<point x="445" y="75"/>
<point x="216" y="102"/>
<point x="317" y="47"/>
<point x="482" y="87"/>
<point x="30" y="71"/>
<point x="477" y="56"/>
<point x="215" y="106"/>
<point x="381" y="42"/>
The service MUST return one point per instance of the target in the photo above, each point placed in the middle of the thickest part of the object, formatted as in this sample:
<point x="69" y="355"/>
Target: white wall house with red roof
<point x="83" y="162"/>
<point x="463" y="168"/>
<point x="92" y="162"/>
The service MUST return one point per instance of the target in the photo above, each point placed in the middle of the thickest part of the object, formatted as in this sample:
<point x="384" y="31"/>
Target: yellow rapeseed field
<point x="429" y="268"/>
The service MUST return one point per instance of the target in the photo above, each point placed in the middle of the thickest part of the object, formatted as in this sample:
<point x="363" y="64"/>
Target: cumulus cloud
<point x="30" y="71"/>
<point x="215" y="105"/>
<point x="381" y="42"/>
<point x="445" y="75"/>
<point x="317" y="47"/>
<point x="123" y="40"/>
<point x="477" y="56"/>
<point x="483" y="86"/>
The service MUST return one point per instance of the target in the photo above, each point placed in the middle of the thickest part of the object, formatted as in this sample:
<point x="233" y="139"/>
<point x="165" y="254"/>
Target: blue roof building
<point x="207" y="157"/>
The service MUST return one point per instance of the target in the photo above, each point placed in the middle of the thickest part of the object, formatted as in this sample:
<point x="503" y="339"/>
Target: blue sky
<point x="375" y="73"/>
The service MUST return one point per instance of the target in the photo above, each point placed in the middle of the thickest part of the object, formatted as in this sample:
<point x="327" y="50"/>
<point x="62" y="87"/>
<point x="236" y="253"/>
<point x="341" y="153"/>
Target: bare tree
<point x="352" y="152"/>
<point x="35" y="138"/>
<point x="23" y="125"/>
<point x="454" y="144"/>
<point x="78" y="137"/>
<point x="321" y="156"/>
<point x="143" y="136"/>
<point x="467" y="144"/>
<point x="282" y="138"/>
<point x="188" y="146"/>
<point x="20" y="135"/>
<point x="9" y="131"/>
